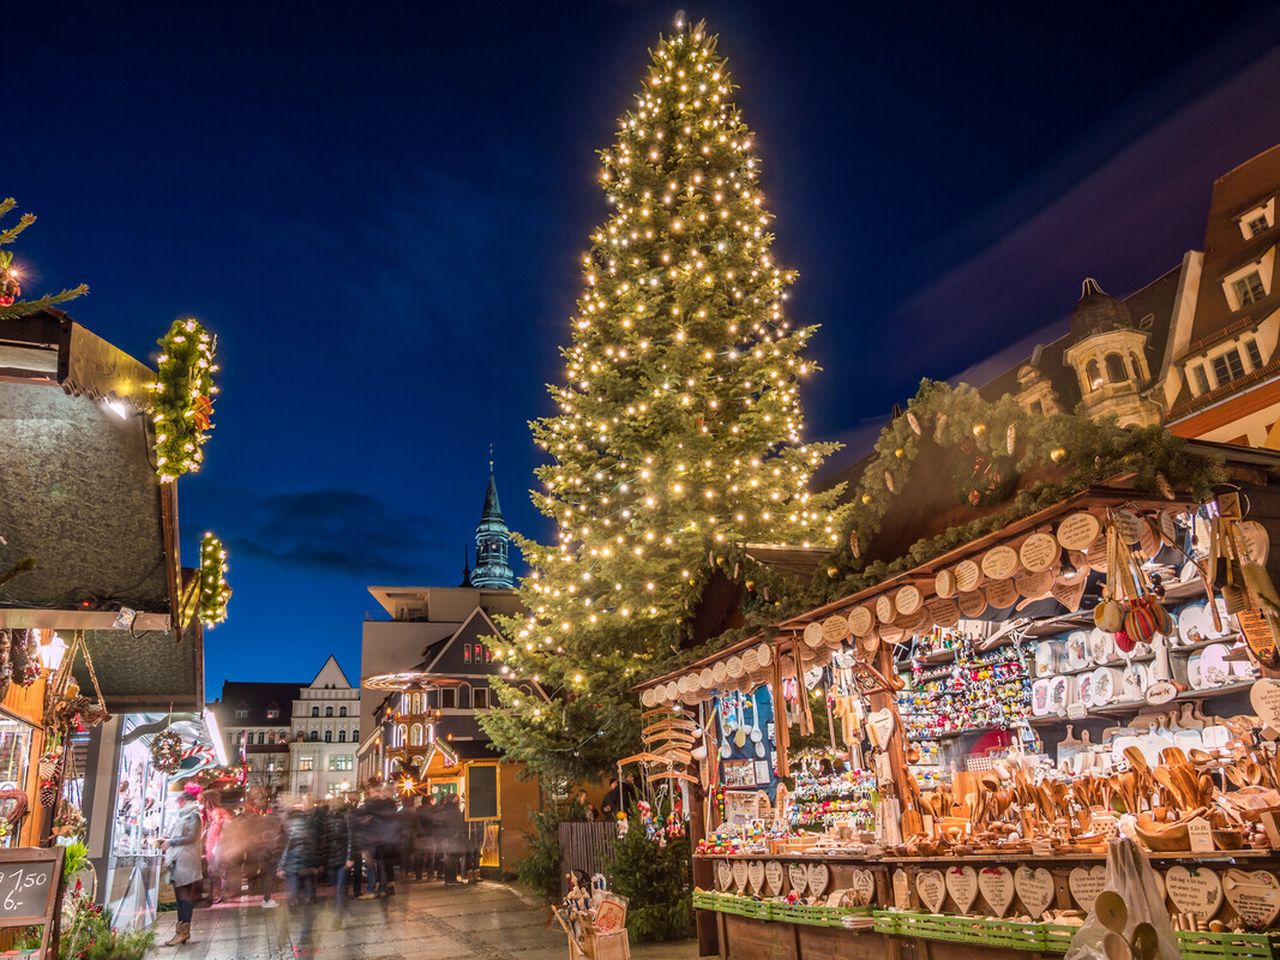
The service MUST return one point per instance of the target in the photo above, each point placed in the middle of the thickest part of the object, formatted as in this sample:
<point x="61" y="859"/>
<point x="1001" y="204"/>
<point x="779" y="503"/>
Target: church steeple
<point x="493" y="541"/>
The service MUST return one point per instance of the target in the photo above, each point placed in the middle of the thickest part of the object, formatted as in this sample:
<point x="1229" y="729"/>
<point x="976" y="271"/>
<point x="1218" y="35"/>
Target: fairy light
<point x="679" y="426"/>
<point x="182" y="398"/>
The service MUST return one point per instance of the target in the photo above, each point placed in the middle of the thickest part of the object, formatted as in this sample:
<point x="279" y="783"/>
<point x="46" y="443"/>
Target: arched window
<point x="315" y="711"/>
<point x="328" y="711"/>
<point x="416" y="700"/>
<point x="401" y="735"/>
<point x="1093" y="374"/>
<point x="1115" y="368"/>
<point x="328" y="736"/>
<point x="262" y="737"/>
<point x="342" y="736"/>
<point x="314" y="735"/>
<point x="415" y="735"/>
<point x="342" y="711"/>
<point x="1137" y="366"/>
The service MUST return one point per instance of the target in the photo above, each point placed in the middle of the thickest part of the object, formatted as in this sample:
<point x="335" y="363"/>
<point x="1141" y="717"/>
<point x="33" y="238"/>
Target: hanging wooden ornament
<point x="1164" y="486"/>
<point x="944" y="583"/>
<point x="1078" y="531"/>
<point x="999" y="563"/>
<point x="967" y="576"/>
<point x="888" y="482"/>
<point x="939" y="426"/>
<point x="1011" y="439"/>
<point x="907" y="600"/>
<point x="854" y="547"/>
<point x="914" y="422"/>
<point x="1039" y="552"/>
<point x="861" y="621"/>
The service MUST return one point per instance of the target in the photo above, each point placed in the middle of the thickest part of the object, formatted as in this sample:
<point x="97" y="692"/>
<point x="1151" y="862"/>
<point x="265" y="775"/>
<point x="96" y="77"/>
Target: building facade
<point x="256" y="720"/>
<point x="1195" y="349"/>
<point x="426" y="673"/>
<point x="324" y="734"/>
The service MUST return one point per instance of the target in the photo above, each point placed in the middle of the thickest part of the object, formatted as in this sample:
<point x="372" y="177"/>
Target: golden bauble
<point x="900" y="453"/>
<point x="833" y="571"/>
<point x="979" y="429"/>
<point x="866" y="499"/>
<point x="1058" y="454"/>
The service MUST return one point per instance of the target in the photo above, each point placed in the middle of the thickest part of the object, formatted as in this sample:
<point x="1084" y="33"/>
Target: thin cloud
<point x="339" y="531"/>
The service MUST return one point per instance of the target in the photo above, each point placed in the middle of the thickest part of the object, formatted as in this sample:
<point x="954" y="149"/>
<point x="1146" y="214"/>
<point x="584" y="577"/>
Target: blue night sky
<point x="379" y="208"/>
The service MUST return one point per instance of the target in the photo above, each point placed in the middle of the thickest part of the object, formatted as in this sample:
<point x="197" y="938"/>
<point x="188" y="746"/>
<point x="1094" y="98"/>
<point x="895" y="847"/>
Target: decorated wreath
<point x="166" y="751"/>
<point x="182" y="398"/>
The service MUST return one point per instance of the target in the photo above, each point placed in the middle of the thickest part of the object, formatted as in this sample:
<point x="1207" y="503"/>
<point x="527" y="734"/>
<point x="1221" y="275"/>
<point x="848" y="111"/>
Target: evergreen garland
<point x="182" y="398"/>
<point x="214" y="591"/>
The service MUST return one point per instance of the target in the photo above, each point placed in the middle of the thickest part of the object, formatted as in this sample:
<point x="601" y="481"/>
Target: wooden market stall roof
<point x="1092" y="497"/>
<point x="79" y="495"/>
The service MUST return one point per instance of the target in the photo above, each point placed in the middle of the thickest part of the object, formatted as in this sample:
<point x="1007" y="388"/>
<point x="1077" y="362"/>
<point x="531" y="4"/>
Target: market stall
<point x="1003" y="691"/>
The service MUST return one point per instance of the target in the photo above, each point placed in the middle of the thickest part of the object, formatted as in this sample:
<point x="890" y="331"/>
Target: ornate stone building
<point x="1195" y="349"/>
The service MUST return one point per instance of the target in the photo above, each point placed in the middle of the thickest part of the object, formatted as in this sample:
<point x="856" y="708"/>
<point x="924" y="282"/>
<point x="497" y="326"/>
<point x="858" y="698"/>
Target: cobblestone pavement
<point x="488" y="921"/>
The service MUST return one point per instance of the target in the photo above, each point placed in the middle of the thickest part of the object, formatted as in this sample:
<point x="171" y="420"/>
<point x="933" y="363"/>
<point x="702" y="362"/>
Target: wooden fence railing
<point x="585" y="845"/>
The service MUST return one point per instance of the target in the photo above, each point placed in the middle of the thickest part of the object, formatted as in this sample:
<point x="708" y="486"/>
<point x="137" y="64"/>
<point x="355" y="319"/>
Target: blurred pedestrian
<point x="216" y="818"/>
<point x="423" y="828"/>
<point x="182" y="848"/>
<point x="453" y="839"/>
<point x="376" y="831"/>
<point x="299" y="860"/>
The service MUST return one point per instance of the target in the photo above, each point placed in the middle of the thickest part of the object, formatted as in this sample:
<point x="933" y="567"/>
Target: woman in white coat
<point x="182" y="849"/>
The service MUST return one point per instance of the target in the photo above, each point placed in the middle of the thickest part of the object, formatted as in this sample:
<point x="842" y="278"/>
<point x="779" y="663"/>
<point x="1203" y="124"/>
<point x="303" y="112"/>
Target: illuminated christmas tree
<point x="679" y="424"/>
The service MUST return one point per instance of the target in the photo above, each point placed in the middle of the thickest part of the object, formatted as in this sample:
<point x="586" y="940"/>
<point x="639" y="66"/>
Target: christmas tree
<point x="679" y="424"/>
<point x="10" y="279"/>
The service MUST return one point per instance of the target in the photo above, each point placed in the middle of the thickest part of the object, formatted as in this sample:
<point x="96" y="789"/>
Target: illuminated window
<point x="415" y="735"/>
<point x="466" y="653"/>
<point x="306" y="764"/>
<point x="342" y="763"/>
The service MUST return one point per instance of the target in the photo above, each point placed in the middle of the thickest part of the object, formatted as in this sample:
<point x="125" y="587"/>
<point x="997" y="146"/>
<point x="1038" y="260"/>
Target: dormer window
<point x="1253" y="353"/>
<point x="1258" y="220"/>
<point x="1201" y="378"/>
<point x="273" y="712"/>
<point x="1228" y="367"/>
<point x="1248" y="289"/>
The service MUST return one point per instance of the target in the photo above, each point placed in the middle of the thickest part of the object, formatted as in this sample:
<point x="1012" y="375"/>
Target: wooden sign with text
<point x="31" y="891"/>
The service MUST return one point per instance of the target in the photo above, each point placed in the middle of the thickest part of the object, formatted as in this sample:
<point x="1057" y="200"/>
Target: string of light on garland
<point x="214" y="590"/>
<point x="182" y="398"/>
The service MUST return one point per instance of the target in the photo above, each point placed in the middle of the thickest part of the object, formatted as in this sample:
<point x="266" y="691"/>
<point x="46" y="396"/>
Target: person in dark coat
<point x="423" y="830"/>
<point x="453" y="839"/>
<point x="377" y="827"/>
<point x="300" y="860"/>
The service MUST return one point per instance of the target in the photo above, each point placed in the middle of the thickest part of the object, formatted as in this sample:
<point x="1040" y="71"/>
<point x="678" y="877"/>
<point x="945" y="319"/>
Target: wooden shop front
<point x="1006" y="686"/>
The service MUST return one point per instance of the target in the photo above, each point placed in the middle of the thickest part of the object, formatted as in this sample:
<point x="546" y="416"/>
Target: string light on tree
<point x="679" y="422"/>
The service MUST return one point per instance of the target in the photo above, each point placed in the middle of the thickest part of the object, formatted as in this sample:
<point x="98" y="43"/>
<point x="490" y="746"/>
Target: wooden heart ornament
<point x="740" y="875"/>
<point x="1195" y="890"/>
<point x="798" y="876"/>
<point x="996" y="885"/>
<point x="1085" y="884"/>
<point x="755" y="876"/>
<point x="724" y="875"/>
<point x="773" y="878"/>
<point x="863" y="887"/>
<point x="1035" y="889"/>
<point x="819" y="877"/>
<point x="932" y="889"/>
<point x="962" y="884"/>
<point x="901" y="890"/>
<point x="1255" y="895"/>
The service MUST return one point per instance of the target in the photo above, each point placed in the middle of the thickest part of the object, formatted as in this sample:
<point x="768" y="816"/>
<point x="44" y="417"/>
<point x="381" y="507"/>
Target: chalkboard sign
<point x="482" y="791"/>
<point x="30" y="891"/>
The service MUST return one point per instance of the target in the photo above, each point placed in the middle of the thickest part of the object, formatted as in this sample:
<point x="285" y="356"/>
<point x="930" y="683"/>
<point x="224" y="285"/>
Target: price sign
<point x="30" y="890"/>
